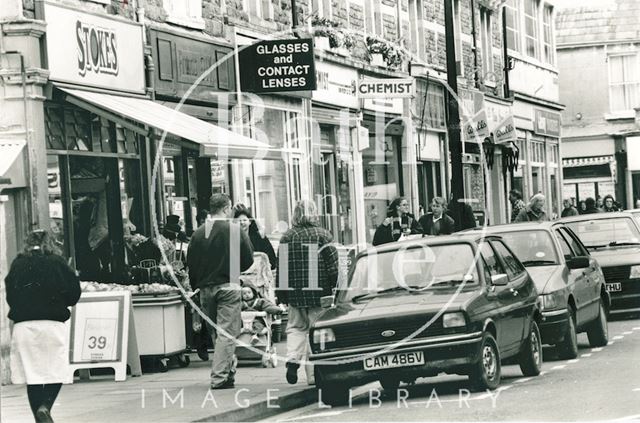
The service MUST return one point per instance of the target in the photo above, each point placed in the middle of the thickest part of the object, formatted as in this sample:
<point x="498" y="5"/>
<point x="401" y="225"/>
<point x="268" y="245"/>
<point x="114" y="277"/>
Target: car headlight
<point x="453" y="320"/>
<point x="635" y="272"/>
<point x="323" y="336"/>
<point x="550" y="301"/>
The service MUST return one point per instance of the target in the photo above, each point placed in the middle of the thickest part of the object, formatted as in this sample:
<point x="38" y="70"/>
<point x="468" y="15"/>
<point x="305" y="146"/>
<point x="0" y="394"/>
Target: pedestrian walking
<point x="568" y="209"/>
<point x="609" y="204"/>
<point x="437" y="222"/>
<point x="590" y="206"/>
<point x="218" y="252"/>
<point x="259" y="242"/>
<point x="517" y="205"/>
<point x="534" y="212"/>
<point x="399" y="222"/>
<point x="40" y="287"/>
<point x="307" y="271"/>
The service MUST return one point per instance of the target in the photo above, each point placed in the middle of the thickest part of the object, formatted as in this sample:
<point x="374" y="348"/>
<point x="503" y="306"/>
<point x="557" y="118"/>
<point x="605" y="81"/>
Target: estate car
<point x="458" y="304"/>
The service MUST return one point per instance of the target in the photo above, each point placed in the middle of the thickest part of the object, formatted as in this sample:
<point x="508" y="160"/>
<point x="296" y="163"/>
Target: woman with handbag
<point x="41" y="287"/>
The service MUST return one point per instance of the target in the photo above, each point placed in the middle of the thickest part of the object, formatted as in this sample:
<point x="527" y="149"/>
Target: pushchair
<point x="258" y="348"/>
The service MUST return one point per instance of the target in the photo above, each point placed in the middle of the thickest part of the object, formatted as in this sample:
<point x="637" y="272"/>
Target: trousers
<point x="300" y="321"/>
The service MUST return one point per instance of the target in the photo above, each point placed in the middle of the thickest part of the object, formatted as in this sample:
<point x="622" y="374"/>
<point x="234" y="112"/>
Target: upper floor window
<point x="485" y="39"/>
<point x="547" y="32"/>
<point x="457" y="33"/>
<point x="531" y="24"/>
<point x="624" y="82"/>
<point x="322" y="8"/>
<point x="512" y="10"/>
<point x="262" y="9"/>
<point x="185" y="13"/>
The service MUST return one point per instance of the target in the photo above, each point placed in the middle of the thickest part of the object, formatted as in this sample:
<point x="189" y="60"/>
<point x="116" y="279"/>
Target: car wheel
<point x="485" y="374"/>
<point x="598" y="331"/>
<point x="333" y="394"/>
<point x="568" y="348"/>
<point x="390" y="384"/>
<point x="530" y="359"/>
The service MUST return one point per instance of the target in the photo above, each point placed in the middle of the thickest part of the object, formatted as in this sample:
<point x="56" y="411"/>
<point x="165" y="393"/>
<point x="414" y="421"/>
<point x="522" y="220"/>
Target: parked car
<point x="636" y="214"/>
<point x="614" y="240"/>
<point x="457" y="304"/>
<point x="569" y="281"/>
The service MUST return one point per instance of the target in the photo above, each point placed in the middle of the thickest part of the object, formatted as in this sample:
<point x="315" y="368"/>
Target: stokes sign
<point x="98" y="57"/>
<point x="97" y="49"/>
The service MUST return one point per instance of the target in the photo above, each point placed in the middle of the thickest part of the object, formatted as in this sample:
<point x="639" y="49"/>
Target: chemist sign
<point x="278" y="65"/>
<point x="386" y="88"/>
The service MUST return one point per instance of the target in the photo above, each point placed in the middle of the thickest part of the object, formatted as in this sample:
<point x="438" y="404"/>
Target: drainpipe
<point x="505" y="54"/>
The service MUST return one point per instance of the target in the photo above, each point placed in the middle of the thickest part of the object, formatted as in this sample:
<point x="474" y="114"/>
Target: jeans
<point x="300" y="321"/>
<point x="223" y="304"/>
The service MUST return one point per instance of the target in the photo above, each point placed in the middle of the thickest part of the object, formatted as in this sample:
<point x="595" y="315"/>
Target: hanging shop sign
<point x="94" y="50"/>
<point x="103" y="334"/>
<point x="278" y="65"/>
<point x="547" y="123"/>
<point x="336" y="85"/>
<point x="505" y="131"/>
<point x="477" y="127"/>
<point x="386" y="88"/>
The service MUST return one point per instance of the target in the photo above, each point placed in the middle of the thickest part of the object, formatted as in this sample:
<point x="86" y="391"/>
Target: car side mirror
<point x="326" y="301"/>
<point x="580" y="262"/>
<point x="499" y="280"/>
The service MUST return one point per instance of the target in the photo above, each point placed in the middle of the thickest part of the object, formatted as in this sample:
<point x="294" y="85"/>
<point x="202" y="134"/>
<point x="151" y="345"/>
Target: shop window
<point x="56" y="204"/>
<point x="184" y="13"/>
<point x="485" y="40"/>
<point x="624" y="82"/>
<point x="512" y="10"/>
<point x="531" y="31"/>
<point x="547" y="27"/>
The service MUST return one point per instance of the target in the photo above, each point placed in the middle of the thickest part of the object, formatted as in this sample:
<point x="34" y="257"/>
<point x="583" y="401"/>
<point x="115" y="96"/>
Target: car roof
<point x="468" y="237"/>
<point x="595" y="216"/>
<point x="512" y="227"/>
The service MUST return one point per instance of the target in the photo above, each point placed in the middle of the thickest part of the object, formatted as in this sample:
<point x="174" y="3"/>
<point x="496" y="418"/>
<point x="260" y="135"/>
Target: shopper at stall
<point x="218" y="252"/>
<point x="259" y="242"/>
<point x="40" y="288"/>
<point x="306" y="248"/>
<point x="398" y="223"/>
<point x="437" y="222"/>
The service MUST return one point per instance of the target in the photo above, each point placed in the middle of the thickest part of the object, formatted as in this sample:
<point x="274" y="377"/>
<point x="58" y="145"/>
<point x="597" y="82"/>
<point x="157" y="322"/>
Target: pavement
<point x="179" y="395"/>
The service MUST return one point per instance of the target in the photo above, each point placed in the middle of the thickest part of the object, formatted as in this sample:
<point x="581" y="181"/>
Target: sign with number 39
<point x="99" y="339"/>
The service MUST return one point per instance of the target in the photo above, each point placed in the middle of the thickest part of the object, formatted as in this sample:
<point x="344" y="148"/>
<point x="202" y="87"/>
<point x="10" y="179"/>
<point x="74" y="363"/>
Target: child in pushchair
<point x="257" y="318"/>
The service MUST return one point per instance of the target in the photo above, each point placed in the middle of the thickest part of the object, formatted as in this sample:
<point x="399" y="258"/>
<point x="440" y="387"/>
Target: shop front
<point x="383" y="169"/>
<point x="335" y="125"/>
<point x="430" y="133"/>
<point x="538" y="130"/>
<point x="268" y="182"/>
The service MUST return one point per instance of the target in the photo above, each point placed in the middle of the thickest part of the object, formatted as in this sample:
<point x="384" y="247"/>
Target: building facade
<point x="601" y="124"/>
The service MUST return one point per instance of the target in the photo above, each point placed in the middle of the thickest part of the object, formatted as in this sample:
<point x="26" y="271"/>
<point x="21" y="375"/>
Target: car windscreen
<point x="533" y="248"/>
<point x="604" y="232"/>
<point x="417" y="268"/>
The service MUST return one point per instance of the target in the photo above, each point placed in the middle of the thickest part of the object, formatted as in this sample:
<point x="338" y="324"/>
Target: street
<point x="601" y="384"/>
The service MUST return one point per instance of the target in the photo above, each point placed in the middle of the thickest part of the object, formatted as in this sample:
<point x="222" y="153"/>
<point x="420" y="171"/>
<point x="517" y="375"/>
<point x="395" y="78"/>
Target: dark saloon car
<point x="614" y="240"/>
<point x="568" y="279"/>
<point x="457" y="304"/>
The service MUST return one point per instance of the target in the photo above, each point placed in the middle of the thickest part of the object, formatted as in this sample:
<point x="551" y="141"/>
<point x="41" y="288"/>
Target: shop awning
<point x="211" y="140"/>
<point x="11" y="171"/>
<point x="587" y="161"/>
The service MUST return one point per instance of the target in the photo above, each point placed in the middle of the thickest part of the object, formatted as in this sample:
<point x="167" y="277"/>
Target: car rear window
<point x="533" y="247"/>
<point x="602" y="232"/>
<point x="424" y="267"/>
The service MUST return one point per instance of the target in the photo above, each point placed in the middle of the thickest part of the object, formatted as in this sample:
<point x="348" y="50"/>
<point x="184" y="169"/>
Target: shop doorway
<point x="429" y="184"/>
<point x="334" y="199"/>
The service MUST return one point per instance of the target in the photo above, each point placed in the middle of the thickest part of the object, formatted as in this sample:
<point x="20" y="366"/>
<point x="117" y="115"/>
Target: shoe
<point x="292" y="372"/>
<point x="228" y="384"/>
<point x="203" y="354"/>
<point x="43" y="415"/>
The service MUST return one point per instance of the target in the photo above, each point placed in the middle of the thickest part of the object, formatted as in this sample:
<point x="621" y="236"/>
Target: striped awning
<point x="588" y="161"/>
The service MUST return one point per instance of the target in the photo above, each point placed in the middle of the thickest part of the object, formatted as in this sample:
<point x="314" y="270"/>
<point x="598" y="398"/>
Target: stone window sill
<point x="187" y="22"/>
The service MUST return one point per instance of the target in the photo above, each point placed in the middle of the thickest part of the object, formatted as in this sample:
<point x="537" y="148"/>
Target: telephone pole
<point x="453" y="121"/>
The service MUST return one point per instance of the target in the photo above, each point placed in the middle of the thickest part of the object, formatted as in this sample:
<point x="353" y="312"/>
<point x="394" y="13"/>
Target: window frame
<point x="513" y="6"/>
<point x="191" y="19"/>
<point x="535" y="38"/>
<point x="495" y="255"/>
<point x="548" y="48"/>
<point x="457" y="36"/>
<point x="486" y="35"/>
<point x="624" y="83"/>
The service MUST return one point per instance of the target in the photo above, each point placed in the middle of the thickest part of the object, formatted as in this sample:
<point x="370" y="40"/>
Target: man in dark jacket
<point x="462" y="215"/>
<point x="568" y="209"/>
<point x="591" y="206"/>
<point x="219" y="251"/>
<point x="307" y="271"/>
<point x="437" y="222"/>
